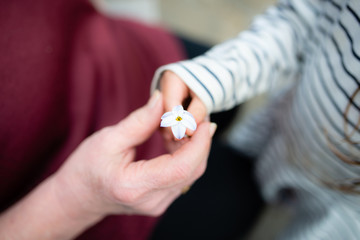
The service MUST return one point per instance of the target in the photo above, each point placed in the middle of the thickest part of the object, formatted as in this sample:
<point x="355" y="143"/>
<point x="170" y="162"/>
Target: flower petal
<point x="189" y="114"/>
<point x="168" y="121"/>
<point x="178" y="110"/>
<point x="166" y="115"/>
<point x="178" y="131"/>
<point x="189" y="121"/>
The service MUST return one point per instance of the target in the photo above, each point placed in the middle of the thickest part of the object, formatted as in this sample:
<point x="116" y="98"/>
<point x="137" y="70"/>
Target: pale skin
<point x="175" y="92"/>
<point x="101" y="178"/>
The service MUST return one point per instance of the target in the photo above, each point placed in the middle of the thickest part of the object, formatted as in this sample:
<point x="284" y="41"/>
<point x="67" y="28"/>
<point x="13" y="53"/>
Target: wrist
<point x="74" y="204"/>
<point x="74" y="198"/>
<point x="48" y="212"/>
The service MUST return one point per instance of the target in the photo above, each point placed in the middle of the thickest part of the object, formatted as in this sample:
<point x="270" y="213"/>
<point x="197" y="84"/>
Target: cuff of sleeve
<point x="188" y="78"/>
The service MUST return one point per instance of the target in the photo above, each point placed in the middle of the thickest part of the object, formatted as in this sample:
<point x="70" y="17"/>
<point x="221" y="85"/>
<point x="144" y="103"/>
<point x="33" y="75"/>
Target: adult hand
<point x="105" y="170"/>
<point x="102" y="178"/>
<point x="176" y="92"/>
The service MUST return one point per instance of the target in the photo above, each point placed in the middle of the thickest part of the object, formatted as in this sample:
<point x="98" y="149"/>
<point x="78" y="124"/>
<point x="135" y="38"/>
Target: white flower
<point x="178" y="119"/>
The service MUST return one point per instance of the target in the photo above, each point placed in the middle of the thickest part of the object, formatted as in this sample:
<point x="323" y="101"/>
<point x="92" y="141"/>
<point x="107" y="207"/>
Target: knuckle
<point x="103" y="136"/>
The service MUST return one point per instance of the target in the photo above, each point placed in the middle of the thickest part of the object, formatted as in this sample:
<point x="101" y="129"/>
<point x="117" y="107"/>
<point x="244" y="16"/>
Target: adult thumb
<point x="140" y="124"/>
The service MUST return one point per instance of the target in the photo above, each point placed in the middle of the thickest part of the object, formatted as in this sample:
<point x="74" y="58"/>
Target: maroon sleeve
<point x="65" y="72"/>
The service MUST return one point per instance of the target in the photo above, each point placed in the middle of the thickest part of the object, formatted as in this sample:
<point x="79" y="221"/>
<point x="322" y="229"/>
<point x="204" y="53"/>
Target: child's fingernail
<point x="212" y="129"/>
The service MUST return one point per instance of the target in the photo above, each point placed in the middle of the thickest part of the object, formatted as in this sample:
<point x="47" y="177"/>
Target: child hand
<point x="176" y="92"/>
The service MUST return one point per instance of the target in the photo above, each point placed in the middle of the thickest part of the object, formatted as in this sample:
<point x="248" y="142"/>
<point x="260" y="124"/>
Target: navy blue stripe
<point x="315" y="122"/>
<point x="328" y="18"/>
<point x="197" y="79"/>
<point x="351" y="41"/>
<point x="323" y="31"/>
<point x="247" y="67"/>
<point x="331" y="68"/>
<point x="314" y="115"/>
<point x="292" y="27"/>
<point x="274" y="22"/>
<point x="353" y="13"/>
<point x="343" y="63"/>
<point x="309" y="138"/>
<point x="282" y="13"/>
<point x="322" y="106"/>
<point x="260" y="65"/>
<point x="308" y="135"/>
<point x="292" y="8"/>
<point x="328" y="92"/>
<point x="299" y="113"/>
<point x="312" y="7"/>
<point x="258" y="77"/>
<point x="216" y="77"/>
<point x="335" y="5"/>
<point x="275" y="66"/>
<point x="232" y="77"/>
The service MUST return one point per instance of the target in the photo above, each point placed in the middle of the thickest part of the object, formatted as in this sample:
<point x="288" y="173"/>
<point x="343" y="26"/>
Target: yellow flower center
<point x="178" y="119"/>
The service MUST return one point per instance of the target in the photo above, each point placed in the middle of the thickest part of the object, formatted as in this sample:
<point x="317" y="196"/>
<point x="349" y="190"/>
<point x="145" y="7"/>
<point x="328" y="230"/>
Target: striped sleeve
<point x="251" y="63"/>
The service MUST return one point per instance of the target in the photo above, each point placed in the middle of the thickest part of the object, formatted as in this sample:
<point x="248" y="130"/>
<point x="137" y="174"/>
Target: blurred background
<point x="206" y="21"/>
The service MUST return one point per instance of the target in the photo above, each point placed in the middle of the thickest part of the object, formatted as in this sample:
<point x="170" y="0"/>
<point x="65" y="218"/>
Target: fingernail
<point x="154" y="98"/>
<point x="212" y="129"/>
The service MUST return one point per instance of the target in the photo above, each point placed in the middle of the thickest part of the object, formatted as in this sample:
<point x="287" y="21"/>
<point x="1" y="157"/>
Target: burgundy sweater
<point x="65" y="72"/>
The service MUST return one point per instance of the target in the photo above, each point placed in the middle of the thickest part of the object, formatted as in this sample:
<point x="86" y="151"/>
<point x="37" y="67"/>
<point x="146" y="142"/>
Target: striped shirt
<point x="306" y="55"/>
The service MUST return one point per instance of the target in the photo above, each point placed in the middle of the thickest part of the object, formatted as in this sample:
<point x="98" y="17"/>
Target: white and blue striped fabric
<point x="307" y="138"/>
